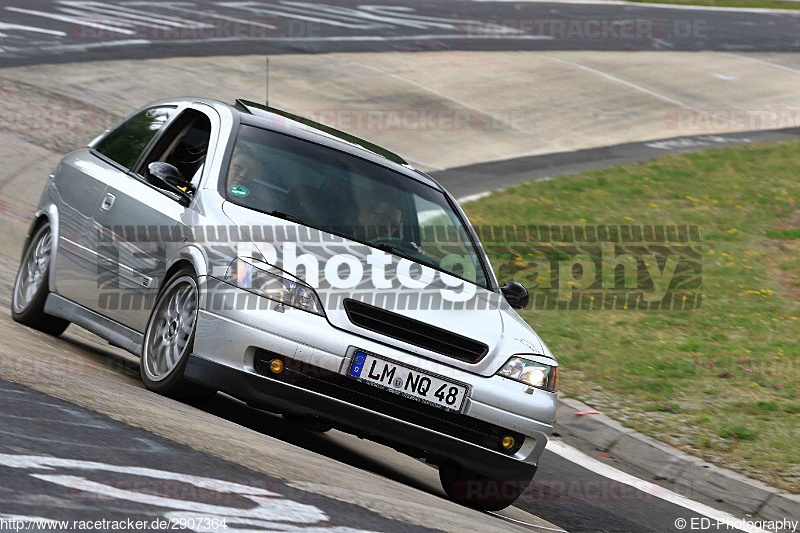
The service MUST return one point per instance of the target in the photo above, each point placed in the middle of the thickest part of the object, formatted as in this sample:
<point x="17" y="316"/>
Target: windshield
<point x="323" y="188"/>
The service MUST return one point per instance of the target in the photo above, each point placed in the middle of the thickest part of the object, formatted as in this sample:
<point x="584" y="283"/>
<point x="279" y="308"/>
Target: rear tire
<point x="32" y="285"/>
<point x="480" y="491"/>
<point x="169" y="338"/>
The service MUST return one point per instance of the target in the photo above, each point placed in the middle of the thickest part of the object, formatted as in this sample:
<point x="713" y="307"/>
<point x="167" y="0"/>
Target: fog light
<point x="508" y="442"/>
<point x="276" y="366"/>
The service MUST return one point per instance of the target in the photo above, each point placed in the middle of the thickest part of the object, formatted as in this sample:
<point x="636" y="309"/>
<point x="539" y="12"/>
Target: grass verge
<point x="720" y="381"/>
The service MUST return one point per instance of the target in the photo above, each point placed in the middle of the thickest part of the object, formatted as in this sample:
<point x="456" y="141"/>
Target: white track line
<point x="761" y="61"/>
<point x="281" y="10"/>
<point x="451" y="99"/>
<point x="72" y="20"/>
<point x="211" y="15"/>
<point x="590" y="463"/>
<point x="520" y="522"/>
<point x="620" y="80"/>
<point x="124" y="12"/>
<point x="20" y="27"/>
<point x="473" y="197"/>
<point x="87" y="46"/>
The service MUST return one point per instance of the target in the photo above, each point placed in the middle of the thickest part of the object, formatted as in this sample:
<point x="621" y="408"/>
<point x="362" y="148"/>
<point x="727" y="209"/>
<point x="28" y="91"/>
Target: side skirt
<point x="111" y="330"/>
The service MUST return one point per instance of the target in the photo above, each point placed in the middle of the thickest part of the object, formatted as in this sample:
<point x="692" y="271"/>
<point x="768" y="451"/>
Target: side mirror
<point x="516" y="295"/>
<point x="170" y="178"/>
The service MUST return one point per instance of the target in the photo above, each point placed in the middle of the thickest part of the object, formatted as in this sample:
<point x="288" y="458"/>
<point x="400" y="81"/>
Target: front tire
<point x="169" y="337"/>
<point x="480" y="491"/>
<point x="32" y="285"/>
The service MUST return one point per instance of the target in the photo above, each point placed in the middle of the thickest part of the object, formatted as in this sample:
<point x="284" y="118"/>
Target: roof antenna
<point x="266" y="99"/>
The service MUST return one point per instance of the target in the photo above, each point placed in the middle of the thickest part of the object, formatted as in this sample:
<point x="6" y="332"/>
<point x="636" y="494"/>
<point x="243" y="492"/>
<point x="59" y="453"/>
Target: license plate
<point x="408" y="381"/>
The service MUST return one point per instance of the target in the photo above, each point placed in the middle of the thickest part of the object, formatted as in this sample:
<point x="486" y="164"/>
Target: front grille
<point x="414" y="332"/>
<point x="388" y="403"/>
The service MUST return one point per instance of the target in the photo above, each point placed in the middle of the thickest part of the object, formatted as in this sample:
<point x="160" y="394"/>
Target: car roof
<point x="262" y="116"/>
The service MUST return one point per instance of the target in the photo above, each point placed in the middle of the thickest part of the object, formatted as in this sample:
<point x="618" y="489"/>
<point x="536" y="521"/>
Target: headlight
<point x="531" y="373"/>
<point x="264" y="281"/>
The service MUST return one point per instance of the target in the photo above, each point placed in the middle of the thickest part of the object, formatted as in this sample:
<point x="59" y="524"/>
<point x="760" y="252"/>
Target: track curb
<point x="662" y="462"/>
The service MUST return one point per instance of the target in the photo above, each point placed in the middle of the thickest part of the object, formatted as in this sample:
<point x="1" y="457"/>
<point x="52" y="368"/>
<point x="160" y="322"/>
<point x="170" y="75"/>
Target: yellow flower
<point x="653" y="205"/>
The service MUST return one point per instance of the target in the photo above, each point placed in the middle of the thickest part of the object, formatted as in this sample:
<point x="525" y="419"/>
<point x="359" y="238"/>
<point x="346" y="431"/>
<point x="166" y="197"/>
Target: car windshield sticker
<point x="238" y="190"/>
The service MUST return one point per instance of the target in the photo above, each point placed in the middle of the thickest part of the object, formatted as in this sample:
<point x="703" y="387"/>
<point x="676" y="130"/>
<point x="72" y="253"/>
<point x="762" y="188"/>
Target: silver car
<point x="305" y="271"/>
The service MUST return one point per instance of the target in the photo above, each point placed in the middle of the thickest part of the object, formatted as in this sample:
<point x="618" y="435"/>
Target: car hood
<point x="339" y="268"/>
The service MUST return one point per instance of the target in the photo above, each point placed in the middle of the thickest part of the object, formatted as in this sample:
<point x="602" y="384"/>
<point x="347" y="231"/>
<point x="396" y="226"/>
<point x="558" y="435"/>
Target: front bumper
<point x="400" y="434"/>
<point x="232" y="341"/>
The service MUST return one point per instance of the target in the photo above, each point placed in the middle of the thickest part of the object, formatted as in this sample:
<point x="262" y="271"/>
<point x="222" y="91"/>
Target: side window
<point x="184" y="145"/>
<point x="125" y="144"/>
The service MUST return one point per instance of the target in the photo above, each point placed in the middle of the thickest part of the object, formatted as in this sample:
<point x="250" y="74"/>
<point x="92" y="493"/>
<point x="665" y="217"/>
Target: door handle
<point x="108" y="201"/>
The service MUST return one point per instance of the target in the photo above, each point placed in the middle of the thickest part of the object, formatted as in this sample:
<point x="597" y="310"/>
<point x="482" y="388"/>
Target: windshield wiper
<point x="417" y="258"/>
<point x="393" y="250"/>
<point x="286" y="216"/>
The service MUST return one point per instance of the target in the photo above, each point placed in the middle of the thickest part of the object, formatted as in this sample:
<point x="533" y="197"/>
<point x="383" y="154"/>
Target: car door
<point x="141" y="219"/>
<point x="81" y="181"/>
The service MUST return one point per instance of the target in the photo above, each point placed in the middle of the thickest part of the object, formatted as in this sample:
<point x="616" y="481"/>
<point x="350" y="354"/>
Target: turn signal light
<point x="276" y="366"/>
<point x="508" y="442"/>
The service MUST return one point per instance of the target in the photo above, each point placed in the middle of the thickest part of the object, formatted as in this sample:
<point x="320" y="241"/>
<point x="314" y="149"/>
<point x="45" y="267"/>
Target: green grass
<point x="783" y="234"/>
<point x="766" y="4"/>
<point x="720" y="381"/>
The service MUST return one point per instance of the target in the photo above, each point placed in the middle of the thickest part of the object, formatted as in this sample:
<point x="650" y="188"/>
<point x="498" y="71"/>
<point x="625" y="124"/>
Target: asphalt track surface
<point x="100" y="469"/>
<point x="40" y="31"/>
<point x="564" y="493"/>
<point x="473" y="181"/>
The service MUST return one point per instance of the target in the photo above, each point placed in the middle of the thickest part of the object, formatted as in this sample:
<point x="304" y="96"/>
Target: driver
<point x="383" y="220"/>
<point x="243" y="168"/>
<point x="376" y="218"/>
